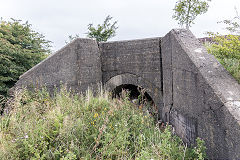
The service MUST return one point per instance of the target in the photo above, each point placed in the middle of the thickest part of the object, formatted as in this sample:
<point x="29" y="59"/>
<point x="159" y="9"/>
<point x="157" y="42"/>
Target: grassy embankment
<point x="86" y="127"/>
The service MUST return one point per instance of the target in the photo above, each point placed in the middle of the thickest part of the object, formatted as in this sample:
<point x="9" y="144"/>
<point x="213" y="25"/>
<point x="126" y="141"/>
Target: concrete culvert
<point x="138" y="96"/>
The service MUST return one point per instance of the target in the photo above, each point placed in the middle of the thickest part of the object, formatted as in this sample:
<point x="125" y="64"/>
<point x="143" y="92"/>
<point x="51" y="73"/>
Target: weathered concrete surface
<point x="200" y="98"/>
<point x="136" y="62"/>
<point x="191" y="89"/>
<point x="77" y="65"/>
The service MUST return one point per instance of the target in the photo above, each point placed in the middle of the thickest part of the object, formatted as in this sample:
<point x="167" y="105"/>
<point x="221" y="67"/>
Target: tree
<point x="103" y="32"/>
<point x="186" y="11"/>
<point x="20" y="49"/>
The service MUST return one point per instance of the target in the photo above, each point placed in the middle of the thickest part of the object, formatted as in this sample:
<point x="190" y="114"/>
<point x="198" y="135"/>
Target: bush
<point x="85" y="127"/>
<point x="226" y="49"/>
<point x="20" y="49"/>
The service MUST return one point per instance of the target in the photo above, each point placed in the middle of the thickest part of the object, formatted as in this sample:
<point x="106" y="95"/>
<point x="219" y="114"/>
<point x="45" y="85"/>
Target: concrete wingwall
<point x="76" y="65"/>
<point x="201" y="99"/>
<point x="191" y="89"/>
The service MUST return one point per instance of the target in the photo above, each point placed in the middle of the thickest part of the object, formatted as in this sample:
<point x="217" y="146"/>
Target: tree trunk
<point x="188" y="12"/>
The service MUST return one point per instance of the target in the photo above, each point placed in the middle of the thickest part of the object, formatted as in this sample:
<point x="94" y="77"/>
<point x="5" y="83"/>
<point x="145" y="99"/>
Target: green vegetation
<point x="226" y="49"/>
<point x="101" y="33"/>
<point x="20" y="49"/>
<point x="85" y="127"/>
<point x="186" y="11"/>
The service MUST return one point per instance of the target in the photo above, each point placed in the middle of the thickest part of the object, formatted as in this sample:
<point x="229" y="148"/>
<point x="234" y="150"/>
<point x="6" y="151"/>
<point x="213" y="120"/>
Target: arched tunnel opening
<point x="139" y="97"/>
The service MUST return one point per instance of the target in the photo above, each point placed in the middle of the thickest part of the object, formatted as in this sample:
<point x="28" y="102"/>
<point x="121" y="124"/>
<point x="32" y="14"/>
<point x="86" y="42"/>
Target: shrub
<point x="226" y="49"/>
<point x="85" y="127"/>
<point x="20" y="49"/>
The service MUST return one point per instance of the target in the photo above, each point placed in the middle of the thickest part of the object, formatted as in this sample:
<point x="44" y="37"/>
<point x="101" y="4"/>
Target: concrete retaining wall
<point x="200" y="98"/>
<point x="77" y="65"/>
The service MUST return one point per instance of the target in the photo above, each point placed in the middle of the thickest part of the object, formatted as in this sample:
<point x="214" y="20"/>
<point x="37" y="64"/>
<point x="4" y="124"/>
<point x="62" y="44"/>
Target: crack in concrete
<point x="161" y="66"/>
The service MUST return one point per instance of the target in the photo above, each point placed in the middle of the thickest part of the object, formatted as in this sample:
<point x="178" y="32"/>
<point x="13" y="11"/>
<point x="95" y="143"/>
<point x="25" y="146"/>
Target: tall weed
<point x="85" y="127"/>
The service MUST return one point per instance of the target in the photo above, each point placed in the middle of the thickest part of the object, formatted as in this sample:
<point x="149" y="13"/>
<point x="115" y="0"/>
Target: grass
<point x="86" y="127"/>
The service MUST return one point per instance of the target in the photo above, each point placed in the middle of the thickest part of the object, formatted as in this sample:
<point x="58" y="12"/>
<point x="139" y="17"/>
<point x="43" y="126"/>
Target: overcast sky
<point x="56" y="19"/>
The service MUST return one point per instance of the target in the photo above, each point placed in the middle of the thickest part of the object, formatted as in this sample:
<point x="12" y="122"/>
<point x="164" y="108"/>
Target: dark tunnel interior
<point x="138" y="96"/>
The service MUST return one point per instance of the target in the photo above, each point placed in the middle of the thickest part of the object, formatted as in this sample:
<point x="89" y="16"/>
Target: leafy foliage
<point x="226" y="46"/>
<point x="20" y="49"/>
<point x="227" y="51"/>
<point x="85" y="127"/>
<point x="103" y="32"/>
<point x="186" y="11"/>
